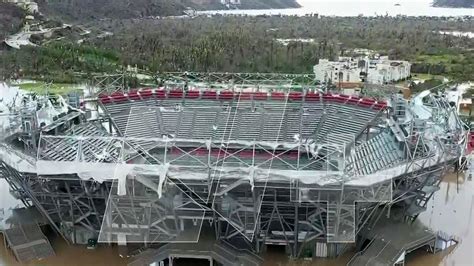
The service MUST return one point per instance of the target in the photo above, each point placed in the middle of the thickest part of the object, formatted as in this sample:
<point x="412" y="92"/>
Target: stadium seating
<point x="227" y="115"/>
<point x="379" y="152"/>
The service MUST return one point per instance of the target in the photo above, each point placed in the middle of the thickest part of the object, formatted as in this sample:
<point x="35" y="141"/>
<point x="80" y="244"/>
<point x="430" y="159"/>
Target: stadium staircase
<point x="28" y="242"/>
<point x="218" y="251"/>
<point x="390" y="242"/>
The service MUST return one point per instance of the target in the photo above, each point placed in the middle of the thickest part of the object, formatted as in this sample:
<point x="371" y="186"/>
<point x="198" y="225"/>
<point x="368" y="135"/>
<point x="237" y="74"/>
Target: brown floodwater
<point x="450" y="210"/>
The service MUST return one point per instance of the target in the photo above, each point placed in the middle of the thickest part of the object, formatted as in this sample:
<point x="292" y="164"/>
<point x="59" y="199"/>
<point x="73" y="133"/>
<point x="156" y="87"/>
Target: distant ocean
<point x="359" y="7"/>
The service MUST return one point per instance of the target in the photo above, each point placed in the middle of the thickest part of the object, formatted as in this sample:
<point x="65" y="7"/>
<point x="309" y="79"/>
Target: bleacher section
<point x="379" y="152"/>
<point x="226" y="115"/>
<point x="66" y="149"/>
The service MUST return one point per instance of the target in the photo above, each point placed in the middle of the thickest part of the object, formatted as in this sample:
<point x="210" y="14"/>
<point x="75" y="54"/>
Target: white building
<point x="380" y="70"/>
<point x="383" y="70"/>
<point x="344" y="70"/>
<point x="230" y="2"/>
<point x="28" y="5"/>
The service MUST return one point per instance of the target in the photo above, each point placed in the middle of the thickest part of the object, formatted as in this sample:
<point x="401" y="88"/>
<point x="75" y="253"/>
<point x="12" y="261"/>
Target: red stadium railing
<point x="159" y="93"/>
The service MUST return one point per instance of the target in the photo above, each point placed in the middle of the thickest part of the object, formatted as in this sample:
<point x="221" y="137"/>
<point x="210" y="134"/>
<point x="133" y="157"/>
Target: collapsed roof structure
<point x="262" y="164"/>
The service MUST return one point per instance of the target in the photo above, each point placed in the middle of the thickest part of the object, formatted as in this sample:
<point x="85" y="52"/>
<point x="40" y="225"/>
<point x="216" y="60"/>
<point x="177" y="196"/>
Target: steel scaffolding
<point x="261" y="167"/>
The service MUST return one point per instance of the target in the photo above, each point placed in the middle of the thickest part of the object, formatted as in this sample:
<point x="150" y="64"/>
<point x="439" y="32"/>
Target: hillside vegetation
<point x="11" y="19"/>
<point x="454" y="3"/>
<point x="87" y="10"/>
<point x="250" y="44"/>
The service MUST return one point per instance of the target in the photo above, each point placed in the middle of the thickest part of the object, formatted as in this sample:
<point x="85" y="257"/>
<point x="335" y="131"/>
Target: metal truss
<point x="238" y="81"/>
<point x="162" y="188"/>
<point x="109" y="83"/>
<point x="231" y="187"/>
<point x="142" y="216"/>
<point x="67" y="202"/>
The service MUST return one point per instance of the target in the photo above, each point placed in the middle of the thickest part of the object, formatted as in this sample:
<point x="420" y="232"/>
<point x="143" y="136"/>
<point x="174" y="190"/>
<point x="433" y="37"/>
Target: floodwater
<point x="70" y="256"/>
<point x="346" y="8"/>
<point x="451" y="211"/>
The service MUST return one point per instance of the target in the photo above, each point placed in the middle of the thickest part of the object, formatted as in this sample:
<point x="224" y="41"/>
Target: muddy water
<point x="69" y="256"/>
<point x="451" y="210"/>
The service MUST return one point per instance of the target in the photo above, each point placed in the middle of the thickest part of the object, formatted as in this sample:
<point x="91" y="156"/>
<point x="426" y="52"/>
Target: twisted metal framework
<point x="111" y="83"/>
<point x="160" y="181"/>
<point x="238" y="81"/>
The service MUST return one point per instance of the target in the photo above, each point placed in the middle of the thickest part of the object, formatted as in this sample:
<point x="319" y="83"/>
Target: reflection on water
<point x="276" y="257"/>
<point x="450" y="210"/>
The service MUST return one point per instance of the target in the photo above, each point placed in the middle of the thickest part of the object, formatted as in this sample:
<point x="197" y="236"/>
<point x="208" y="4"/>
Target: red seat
<point x="328" y="97"/>
<point x="210" y="95"/>
<point x="379" y="106"/>
<point x="147" y="93"/>
<point x="354" y="101"/>
<point x="339" y="99"/>
<point x="292" y="154"/>
<point x="133" y="95"/>
<point x="226" y="95"/>
<point x="245" y="95"/>
<point x="194" y="94"/>
<point x="367" y="102"/>
<point x="278" y="96"/>
<point x="160" y="94"/>
<point x="175" y="94"/>
<point x="245" y="154"/>
<point x="116" y="94"/>
<point x="260" y="96"/>
<point x="295" y="96"/>
<point x="105" y="100"/>
<point x="118" y="97"/>
<point x="311" y="96"/>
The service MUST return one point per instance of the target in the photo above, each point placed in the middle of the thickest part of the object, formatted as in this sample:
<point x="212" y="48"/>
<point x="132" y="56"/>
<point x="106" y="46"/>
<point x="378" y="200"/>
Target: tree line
<point x="454" y="3"/>
<point x="90" y="10"/>
<point x="251" y="44"/>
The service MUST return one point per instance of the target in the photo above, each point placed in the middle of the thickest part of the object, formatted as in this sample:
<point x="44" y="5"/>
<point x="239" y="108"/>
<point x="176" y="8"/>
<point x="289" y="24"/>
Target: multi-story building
<point x="230" y="2"/>
<point x="344" y="70"/>
<point x="361" y="69"/>
<point x="27" y="5"/>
